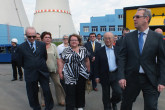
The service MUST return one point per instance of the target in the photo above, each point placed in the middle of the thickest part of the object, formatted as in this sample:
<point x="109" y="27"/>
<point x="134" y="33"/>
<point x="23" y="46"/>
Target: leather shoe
<point x="114" y="106"/>
<point x="13" y="79"/>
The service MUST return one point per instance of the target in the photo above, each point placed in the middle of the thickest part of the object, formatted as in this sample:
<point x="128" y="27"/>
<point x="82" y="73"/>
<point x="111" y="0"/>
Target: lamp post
<point x="59" y="30"/>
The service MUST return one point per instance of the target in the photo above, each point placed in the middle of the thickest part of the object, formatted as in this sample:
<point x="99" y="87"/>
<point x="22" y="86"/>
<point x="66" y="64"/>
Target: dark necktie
<point x="141" y="41"/>
<point x="32" y="47"/>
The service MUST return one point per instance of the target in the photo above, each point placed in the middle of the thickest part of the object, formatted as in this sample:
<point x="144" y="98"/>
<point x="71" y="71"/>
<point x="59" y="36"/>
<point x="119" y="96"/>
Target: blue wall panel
<point x="7" y="32"/>
<point x="107" y="20"/>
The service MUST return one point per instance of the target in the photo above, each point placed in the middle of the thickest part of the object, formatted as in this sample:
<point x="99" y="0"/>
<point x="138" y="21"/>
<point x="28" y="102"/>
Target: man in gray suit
<point x="138" y="69"/>
<point x="32" y="57"/>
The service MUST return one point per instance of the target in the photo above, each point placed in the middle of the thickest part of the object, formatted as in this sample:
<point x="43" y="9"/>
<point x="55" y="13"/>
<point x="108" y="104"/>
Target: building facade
<point x="102" y="24"/>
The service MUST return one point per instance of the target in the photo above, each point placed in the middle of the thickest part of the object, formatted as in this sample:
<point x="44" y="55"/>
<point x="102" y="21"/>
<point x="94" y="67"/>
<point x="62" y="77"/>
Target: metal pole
<point x="59" y="30"/>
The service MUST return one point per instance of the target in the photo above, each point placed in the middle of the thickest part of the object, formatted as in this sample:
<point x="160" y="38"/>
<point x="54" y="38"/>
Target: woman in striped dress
<point x="75" y="65"/>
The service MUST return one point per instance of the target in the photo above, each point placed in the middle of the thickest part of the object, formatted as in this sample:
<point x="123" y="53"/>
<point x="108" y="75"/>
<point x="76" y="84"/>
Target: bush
<point x="57" y="43"/>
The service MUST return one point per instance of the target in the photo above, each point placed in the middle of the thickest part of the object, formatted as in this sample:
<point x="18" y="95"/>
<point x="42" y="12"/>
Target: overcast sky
<point x="82" y="10"/>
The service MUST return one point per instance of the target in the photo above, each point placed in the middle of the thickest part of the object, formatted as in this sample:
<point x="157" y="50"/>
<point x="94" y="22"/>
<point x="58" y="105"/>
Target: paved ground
<point x="13" y="95"/>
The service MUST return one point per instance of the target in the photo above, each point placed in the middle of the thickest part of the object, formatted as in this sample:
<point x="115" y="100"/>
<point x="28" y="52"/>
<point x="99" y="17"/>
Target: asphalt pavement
<point x="13" y="95"/>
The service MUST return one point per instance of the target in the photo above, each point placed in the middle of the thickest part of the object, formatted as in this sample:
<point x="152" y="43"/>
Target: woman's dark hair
<point x="78" y="37"/>
<point x="46" y="33"/>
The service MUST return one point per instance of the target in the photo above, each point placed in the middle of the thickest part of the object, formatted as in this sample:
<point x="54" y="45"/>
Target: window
<point x="86" y="28"/>
<point x="120" y="28"/>
<point x="94" y="28"/>
<point x="120" y="16"/>
<point x="103" y="28"/>
<point x="2" y="50"/>
<point x="111" y="28"/>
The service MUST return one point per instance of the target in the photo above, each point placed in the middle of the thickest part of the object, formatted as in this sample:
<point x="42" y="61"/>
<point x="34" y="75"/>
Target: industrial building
<point x="102" y="24"/>
<point x="53" y="16"/>
<point x="13" y="22"/>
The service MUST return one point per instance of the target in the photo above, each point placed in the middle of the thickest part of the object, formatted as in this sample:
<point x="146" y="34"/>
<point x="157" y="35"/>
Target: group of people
<point x="132" y="64"/>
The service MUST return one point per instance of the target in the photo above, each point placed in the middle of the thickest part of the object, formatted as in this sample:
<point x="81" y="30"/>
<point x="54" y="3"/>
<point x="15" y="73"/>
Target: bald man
<point x="158" y="30"/>
<point x="106" y="72"/>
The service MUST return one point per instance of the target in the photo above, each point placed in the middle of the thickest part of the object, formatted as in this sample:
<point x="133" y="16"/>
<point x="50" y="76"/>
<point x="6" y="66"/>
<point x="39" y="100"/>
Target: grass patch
<point x="57" y="43"/>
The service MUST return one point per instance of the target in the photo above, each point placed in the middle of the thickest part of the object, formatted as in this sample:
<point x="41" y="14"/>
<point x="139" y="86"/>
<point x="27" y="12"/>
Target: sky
<point x="82" y="10"/>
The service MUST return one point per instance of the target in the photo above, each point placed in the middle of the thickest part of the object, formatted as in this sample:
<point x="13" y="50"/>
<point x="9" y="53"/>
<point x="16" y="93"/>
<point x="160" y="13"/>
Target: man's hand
<point x="61" y="76"/>
<point x="97" y="80"/>
<point x="93" y="59"/>
<point x="122" y="83"/>
<point x="160" y="87"/>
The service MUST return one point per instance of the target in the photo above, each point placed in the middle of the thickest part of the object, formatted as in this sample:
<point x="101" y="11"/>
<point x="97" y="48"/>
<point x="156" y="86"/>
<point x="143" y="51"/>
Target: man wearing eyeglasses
<point x="106" y="72"/>
<point x="138" y="70"/>
<point x="92" y="47"/>
<point x="32" y="57"/>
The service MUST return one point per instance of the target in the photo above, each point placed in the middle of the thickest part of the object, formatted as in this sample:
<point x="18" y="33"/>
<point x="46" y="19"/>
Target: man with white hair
<point x="106" y="72"/>
<point x="32" y="57"/>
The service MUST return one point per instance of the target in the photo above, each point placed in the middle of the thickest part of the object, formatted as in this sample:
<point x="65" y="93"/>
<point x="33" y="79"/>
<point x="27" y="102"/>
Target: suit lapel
<point x="37" y="46"/>
<point x="135" y="41"/>
<point x="90" y="46"/>
<point x="104" y="55"/>
<point x="147" y="42"/>
<point x="28" y="47"/>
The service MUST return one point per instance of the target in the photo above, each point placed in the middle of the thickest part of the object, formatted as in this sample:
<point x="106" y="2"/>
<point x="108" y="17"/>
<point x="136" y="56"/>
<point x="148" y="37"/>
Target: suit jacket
<point x="33" y="64"/>
<point x="130" y="58"/>
<point x="88" y="46"/>
<point x="119" y="42"/>
<point x="101" y="65"/>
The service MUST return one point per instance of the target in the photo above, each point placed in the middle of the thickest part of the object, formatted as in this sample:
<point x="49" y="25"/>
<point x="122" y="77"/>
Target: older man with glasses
<point x="32" y="57"/>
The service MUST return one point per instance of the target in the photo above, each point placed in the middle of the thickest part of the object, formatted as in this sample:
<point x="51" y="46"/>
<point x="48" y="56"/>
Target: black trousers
<point x="92" y="76"/>
<point x="116" y="92"/>
<point x="15" y="66"/>
<point x="32" y="93"/>
<point x="132" y="90"/>
<point x="75" y="94"/>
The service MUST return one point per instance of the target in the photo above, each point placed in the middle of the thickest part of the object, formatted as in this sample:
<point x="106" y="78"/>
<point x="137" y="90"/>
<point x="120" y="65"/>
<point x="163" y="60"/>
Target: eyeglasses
<point x="92" y="36"/>
<point x="138" y="16"/>
<point x="73" y="40"/>
<point x="65" y="38"/>
<point x="31" y="36"/>
<point x="109" y="38"/>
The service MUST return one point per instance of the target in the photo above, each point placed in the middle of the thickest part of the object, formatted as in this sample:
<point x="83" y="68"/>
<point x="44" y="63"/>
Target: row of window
<point x="102" y="28"/>
<point x="120" y="16"/>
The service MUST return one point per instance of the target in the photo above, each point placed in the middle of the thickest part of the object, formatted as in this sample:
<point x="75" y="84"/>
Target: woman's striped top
<point x="74" y="64"/>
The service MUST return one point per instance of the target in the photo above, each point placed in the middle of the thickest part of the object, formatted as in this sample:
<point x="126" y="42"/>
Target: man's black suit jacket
<point x="33" y="63"/>
<point x="101" y="65"/>
<point x="119" y="42"/>
<point x="88" y="46"/>
<point x="130" y="58"/>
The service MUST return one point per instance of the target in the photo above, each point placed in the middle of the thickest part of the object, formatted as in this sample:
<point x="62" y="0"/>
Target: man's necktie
<point x="32" y="47"/>
<point x="141" y="41"/>
<point x="93" y="46"/>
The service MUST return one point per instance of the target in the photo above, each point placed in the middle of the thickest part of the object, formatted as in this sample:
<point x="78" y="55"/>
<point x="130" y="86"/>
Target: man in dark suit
<point x="106" y="72"/>
<point x="138" y="69"/>
<point x="92" y="47"/>
<point x="33" y="58"/>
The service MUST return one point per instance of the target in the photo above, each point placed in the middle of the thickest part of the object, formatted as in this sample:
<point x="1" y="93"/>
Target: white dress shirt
<point x="144" y="39"/>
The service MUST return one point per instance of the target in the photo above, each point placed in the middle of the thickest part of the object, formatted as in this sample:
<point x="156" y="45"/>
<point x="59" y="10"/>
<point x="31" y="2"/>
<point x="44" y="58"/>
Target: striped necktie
<point x="32" y="48"/>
